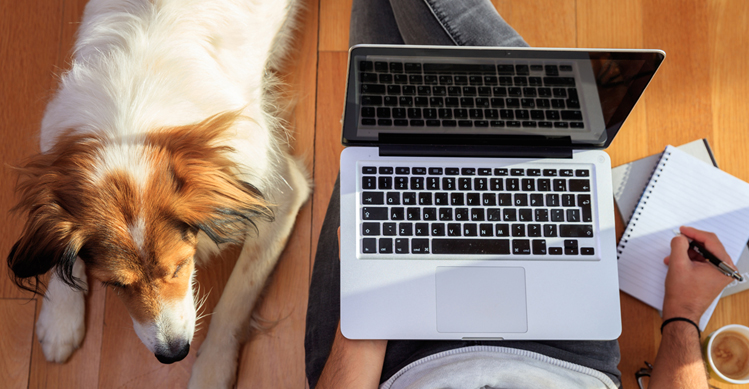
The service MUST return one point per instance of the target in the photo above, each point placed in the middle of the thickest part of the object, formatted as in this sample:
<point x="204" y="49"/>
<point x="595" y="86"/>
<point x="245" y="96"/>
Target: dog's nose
<point x="167" y="357"/>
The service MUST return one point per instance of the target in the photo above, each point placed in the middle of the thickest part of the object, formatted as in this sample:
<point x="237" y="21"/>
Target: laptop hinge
<point x="492" y="146"/>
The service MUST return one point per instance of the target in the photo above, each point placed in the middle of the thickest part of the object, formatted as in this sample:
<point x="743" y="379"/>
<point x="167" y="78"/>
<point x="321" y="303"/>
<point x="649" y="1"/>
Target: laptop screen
<point x="573" y="94"/>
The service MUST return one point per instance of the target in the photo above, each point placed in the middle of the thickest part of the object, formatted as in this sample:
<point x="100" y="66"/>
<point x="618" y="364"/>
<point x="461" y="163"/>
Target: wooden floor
<point x="701" y="91"/>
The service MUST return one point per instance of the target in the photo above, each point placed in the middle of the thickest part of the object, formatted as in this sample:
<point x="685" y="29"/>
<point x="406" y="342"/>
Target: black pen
<point x="710" y="257"/>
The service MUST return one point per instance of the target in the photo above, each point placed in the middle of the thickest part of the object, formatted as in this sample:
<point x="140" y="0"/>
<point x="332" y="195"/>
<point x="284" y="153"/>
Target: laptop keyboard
<point x="511" y="211"/>
<point x="407" y="94"/>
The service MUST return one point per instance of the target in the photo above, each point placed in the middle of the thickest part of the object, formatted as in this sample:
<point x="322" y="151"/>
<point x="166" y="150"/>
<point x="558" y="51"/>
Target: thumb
<point x="679" y="248"/>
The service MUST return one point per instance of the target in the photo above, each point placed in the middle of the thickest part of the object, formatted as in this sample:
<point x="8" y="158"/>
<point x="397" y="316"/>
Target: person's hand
<point x="691" y="283"/>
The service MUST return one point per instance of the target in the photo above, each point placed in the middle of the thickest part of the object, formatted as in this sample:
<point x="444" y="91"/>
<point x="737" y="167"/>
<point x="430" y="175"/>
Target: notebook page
<point x="682" y="191"/>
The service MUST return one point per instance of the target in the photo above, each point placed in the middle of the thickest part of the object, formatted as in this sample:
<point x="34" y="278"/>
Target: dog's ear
<point x="47" y="242"/>
<point x="50" y="237"/>
<point x="210" y="195"/>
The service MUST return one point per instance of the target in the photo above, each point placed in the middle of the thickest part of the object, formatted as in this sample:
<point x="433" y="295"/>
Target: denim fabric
<point x="430" y="22"/>
<point x="425" y="22"/>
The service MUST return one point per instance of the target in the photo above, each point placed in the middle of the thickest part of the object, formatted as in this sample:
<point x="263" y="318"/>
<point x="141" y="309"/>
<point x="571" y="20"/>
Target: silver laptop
<point x="476" y="198"/>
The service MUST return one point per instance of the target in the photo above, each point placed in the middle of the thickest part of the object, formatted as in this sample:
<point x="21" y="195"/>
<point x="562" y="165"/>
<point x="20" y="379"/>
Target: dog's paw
<point x="215" y="367"/>
<point x="61" y="325"/>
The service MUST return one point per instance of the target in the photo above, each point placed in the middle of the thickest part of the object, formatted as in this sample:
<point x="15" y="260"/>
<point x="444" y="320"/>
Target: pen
<point x="710" y="257"/>
<point x="725" y="269"/>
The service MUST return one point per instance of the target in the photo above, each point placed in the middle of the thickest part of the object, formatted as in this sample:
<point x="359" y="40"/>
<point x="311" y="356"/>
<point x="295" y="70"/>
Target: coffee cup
<point x="727" y="354"/>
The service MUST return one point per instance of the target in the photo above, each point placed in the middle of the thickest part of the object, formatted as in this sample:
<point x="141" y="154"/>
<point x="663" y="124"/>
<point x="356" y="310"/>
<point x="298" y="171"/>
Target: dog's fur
<point x="162" y="145"/>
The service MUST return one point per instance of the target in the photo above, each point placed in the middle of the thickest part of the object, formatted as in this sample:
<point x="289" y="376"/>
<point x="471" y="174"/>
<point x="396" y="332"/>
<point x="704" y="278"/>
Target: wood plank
<point x="335" y="16"/>
<point x="542" y="23"/>
<point x="275" y="358"/>
<point x="729" y="87"/>
<point x="681" y="92"/>
<point x="29" y="40"/>
<point x="82" y="369"/>
<point x="16" y="327"/>
<point x="331" y="84"/>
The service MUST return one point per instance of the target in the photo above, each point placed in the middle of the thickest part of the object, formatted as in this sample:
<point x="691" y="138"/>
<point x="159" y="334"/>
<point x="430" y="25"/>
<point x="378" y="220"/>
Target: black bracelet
<point x="699" y="333"/>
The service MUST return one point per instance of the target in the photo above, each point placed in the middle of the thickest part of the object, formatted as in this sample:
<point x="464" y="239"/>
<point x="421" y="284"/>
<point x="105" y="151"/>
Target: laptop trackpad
<point x="481" y="299"/>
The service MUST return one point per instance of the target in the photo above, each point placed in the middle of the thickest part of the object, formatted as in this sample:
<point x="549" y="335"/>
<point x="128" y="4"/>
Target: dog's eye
<point x="179" y="267"/>
<point x="114" y="284"/>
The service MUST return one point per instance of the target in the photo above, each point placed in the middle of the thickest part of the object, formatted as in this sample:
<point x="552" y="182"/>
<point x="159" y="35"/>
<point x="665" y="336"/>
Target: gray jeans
<point x="426" y="22"/>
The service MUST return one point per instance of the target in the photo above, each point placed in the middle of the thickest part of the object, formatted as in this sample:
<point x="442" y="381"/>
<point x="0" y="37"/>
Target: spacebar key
<point x="470" y="246"/>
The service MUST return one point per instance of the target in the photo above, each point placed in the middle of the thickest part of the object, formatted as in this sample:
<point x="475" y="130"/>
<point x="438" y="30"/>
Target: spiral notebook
<point x="682" y="191"/>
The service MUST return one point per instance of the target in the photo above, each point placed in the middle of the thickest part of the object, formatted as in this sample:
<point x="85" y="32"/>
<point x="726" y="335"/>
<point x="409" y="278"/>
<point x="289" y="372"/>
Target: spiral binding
<point x="643" y="200"/>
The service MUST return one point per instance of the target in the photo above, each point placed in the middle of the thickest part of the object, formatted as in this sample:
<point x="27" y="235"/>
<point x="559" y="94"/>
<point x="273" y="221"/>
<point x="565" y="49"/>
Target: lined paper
<point x="683" y="191"/>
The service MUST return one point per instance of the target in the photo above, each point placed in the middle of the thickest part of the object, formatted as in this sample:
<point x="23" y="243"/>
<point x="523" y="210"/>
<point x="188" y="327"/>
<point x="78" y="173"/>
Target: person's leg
<point x="323" y="312"/>
<point x="453" y="23"/>
<point x="372" y="22"/>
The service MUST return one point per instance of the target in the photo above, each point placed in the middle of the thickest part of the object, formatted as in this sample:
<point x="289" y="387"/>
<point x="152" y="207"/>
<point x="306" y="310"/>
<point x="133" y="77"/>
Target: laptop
<point x="476" y="198"/>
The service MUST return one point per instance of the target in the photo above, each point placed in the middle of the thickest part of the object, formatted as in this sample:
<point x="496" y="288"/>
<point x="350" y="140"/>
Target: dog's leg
<point x="216" y="365"/>
<point x="62" y="320"/>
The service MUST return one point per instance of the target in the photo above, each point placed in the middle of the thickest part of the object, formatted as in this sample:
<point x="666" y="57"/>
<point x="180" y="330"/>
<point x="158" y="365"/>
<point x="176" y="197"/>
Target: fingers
<point x="679" y="248"/>
<point x="709" y="240"/>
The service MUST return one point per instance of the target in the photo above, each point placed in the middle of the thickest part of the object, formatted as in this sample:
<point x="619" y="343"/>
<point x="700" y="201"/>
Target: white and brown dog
<point x="161" y="146"/>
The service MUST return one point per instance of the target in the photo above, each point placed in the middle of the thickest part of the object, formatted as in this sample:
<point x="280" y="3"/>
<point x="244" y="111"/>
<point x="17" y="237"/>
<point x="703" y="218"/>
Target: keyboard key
<point x="579" y="185"/>
<point x="570" y="247"/>
<point x="421" y="229"/>
<point x="521" y="246"/>
<point x="397" y="213"/>
<point x="384" y="182"/>
<point x="429" y="213"/>
<point x="420" y="246"/>
<point x="576" y="230"/>
<point x="550" y="230"/>
<point x="582" y="173"/>
<point x="541" y="215"/>
<point x="486" y="230"/>
<point x="413" y="67"/>
<point x="446" y="214"/>
<point x="555" y="250"/>
<point x="389" y="229"/>
<point x="405" y="229"/>
<point x="369" y="182"/>
<point x="500" y="172"/>
<point x="502" y="229"/>
<point x="370" y="229"/>
<point x="573" y="215"/>
<point x="366" y="66"/>
<point x="469" y="229"/>
<point x="413" y="214"/>
<point x="374" y="89"/>
<point x="461" y="214"/>
<point x="470" y="246"/>
<point x="453" y="229"/>
<point x="375" y="198"/>
<point x="369" y="246"/>
<point x="518" y="230"/>
<point x="438" y="229"/>
<point x="401" y="246"/>
<point x="374" y="213"/>
<point x="587" y="251"/>
<point x="539" y="247"/>
<point x="393" y="198"/>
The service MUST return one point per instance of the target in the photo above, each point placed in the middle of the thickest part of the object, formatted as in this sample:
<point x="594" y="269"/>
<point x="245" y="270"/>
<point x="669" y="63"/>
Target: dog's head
<point x="132" y="211"/>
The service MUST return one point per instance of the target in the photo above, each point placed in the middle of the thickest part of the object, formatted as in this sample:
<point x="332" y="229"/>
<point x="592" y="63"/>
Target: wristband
<point x="699" y="333"/>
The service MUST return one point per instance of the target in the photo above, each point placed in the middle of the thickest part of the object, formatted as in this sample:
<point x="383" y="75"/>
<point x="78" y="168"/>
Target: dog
<point x="162" y="146"/>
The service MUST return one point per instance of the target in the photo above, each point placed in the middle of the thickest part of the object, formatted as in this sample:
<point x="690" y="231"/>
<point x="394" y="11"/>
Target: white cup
<point x="711" y="359"/>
